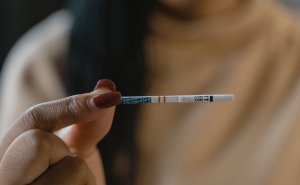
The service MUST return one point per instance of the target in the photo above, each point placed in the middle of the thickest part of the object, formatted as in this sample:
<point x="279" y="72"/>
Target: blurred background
<point x="18" y="16"/>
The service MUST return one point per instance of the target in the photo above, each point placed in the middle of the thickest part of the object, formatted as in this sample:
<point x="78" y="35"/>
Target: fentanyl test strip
<point x="177" y="99"/>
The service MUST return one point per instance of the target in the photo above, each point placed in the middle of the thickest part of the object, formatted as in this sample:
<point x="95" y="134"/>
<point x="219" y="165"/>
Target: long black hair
<point x="106" y="41"/>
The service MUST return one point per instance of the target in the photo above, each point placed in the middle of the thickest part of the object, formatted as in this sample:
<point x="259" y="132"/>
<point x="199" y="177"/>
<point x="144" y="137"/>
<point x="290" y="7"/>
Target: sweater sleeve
<point x="34" y="69"/>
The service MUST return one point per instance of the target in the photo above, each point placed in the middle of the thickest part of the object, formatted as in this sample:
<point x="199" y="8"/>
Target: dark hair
<point x="107" y="42"/>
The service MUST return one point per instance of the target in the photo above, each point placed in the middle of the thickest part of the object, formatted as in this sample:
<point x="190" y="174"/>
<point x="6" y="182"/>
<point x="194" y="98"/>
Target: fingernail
<point x="106" y="83"/>
<point x="106" y="100"/>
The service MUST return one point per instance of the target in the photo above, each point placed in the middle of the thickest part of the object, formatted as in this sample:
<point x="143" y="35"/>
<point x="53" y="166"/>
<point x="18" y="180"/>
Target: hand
<point x="31" y="154"/>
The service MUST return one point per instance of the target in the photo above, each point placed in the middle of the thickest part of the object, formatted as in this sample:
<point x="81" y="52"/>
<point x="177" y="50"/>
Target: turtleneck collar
<point x="235" y="20"/>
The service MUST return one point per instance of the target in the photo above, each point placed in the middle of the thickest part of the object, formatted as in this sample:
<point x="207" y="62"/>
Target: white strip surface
<point x="177" y="99"/>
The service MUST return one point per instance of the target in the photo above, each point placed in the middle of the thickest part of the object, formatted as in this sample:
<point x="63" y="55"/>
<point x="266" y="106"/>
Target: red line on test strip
<point x="164" y="99"/>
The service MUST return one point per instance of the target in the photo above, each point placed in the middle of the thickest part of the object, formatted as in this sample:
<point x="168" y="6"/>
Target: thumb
<point x="82" y="138"/>
<point x="79" y="109"/>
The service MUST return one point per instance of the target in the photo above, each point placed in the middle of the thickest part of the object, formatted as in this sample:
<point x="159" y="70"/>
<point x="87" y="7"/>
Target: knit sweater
<point x="250" y="51"/>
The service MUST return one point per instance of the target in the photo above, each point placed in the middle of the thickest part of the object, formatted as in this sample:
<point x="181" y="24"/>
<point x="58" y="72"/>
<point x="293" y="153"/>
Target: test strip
<point x="177" y="99"/>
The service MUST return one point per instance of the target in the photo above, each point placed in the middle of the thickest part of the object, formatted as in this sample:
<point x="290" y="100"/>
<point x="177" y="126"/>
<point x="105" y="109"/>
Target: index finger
<point x="54" y="115"/>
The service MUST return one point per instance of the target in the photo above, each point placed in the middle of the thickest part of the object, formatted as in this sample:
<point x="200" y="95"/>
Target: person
<point x="42" y="157"/>
<point x="245" y="47"/>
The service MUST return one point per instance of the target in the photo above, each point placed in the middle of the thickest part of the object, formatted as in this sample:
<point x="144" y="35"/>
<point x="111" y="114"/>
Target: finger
<point x="94" y="163"/>
<point x="30" y="155"/>
<point x="55" y="115"/>
<point x="70" y="170"/>
<point x="83" y="138"/>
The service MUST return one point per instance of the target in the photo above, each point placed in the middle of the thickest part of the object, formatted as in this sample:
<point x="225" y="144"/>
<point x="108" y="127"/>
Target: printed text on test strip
<point x="177" y="99"/>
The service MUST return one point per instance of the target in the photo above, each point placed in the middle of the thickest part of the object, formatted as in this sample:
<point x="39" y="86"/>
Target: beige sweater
<point x="33" y="69"/>
<point x="252" y="52"/>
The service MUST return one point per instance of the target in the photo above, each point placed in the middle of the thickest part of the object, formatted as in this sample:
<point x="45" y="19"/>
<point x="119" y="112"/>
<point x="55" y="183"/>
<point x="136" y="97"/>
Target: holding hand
<point x="31" y="154"/>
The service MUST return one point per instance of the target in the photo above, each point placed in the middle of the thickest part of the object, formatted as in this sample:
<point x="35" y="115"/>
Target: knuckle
<point x="38" y="140"/>
<point x="73" y="105"/>
<point x="48" y="116"/>
<point x="39" y="116"/>
<point x="34" y="116"/>
<point x="77" y="164"/>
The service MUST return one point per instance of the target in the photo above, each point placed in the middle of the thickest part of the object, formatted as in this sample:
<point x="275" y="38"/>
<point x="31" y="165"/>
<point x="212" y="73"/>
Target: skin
<point x="194" y="9"/>
<point x="30" y="152"/>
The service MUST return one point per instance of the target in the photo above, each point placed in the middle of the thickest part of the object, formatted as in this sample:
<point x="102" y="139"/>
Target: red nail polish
<point x="107" y="84"/>
<point x="107" y="99"/>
